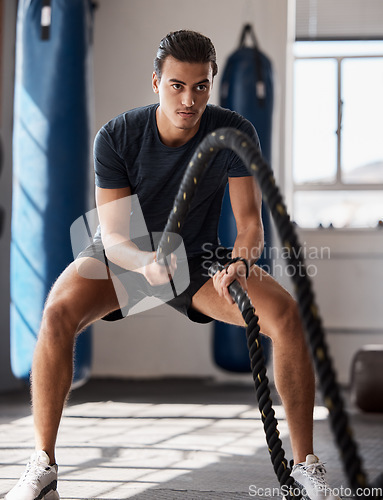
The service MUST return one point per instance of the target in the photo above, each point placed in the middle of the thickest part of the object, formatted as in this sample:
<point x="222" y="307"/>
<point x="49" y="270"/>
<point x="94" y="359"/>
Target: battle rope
<point x="244" y="147"/>
<point x="258" y="368"/>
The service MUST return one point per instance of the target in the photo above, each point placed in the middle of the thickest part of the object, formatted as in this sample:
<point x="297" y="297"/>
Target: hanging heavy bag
<point x="247" y="88"/>
<point x="51" y="163"/>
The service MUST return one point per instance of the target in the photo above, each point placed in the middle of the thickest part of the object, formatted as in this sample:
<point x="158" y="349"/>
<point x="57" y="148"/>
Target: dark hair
<point x="186" y="46"/>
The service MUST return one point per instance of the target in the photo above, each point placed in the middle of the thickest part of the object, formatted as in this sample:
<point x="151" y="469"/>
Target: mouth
<point x="186" y="114"/>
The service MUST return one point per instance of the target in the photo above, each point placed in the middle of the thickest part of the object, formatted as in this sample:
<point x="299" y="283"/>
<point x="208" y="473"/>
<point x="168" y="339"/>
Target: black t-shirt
<point x="128" y="152"/>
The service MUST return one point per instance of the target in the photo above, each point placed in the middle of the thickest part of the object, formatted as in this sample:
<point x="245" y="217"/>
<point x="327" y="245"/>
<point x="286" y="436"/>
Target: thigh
<point x="268" y="297"/>
<point x="86" y="291"/>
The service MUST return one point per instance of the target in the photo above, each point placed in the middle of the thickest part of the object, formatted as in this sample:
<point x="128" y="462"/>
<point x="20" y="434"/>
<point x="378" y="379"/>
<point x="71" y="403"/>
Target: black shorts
<point x="138" y="287"/>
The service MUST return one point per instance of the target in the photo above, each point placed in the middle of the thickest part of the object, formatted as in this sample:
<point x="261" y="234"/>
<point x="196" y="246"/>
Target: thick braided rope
<point x="258" y="368"/>
<point x="244" y="147"/>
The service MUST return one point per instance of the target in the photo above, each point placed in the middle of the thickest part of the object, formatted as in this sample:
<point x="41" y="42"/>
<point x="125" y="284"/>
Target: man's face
<point x="184" y="90"/>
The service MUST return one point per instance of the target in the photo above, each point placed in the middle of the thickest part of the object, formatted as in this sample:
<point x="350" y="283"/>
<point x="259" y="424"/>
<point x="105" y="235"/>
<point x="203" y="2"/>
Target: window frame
<point x="337" y="184"/>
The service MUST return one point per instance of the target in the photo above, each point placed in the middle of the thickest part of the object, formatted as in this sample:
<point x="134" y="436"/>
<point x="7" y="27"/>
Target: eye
<point x="201" y="88"/>
<point x="177" y="86"/>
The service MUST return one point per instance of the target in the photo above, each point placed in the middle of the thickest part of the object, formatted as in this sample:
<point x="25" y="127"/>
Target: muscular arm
<point x="246" y="202"/>
<point x="114" y="207"/>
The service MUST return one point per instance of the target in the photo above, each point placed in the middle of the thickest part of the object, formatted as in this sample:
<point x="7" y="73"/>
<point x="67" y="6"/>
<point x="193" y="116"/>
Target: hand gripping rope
<point x="244" y="147"/>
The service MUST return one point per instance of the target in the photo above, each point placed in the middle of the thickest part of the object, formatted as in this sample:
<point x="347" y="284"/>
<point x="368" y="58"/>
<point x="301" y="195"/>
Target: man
<point x="144" y="153"/>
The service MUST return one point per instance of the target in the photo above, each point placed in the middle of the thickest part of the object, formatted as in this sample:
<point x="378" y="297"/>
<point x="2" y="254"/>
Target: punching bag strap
<point x="248" y="30"/>
<point x="46" y="19"/>
<point x="260" y="85"/>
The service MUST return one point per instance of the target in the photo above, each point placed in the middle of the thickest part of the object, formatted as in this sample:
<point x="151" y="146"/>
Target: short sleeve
<point x="110" y="168"/>
<point x="236" y="167"/>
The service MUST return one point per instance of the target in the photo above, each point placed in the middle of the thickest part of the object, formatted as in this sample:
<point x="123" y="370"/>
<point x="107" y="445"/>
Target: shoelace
<point x="34" y="472"/>
<point x="316" y="472"/>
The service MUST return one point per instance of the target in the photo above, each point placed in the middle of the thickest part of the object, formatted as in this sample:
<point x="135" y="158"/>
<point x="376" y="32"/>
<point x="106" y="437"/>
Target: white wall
<point x="127" y="33"/>
<point x="161" y="342"/>
<point x="348" y="284"/>
<point x="347" y="280"/>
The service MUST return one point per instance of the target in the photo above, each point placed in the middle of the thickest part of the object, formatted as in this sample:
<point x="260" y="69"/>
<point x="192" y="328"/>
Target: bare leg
<point x="73" y="303"/>
<point x="279" y="319"/>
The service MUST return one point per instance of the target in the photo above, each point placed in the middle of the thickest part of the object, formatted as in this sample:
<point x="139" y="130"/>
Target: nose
<point x="187" y="99"/>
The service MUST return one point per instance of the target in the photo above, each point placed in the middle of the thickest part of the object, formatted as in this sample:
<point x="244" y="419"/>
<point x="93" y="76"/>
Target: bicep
<point x="246" y="201"/>
<point x="114" y="207"/>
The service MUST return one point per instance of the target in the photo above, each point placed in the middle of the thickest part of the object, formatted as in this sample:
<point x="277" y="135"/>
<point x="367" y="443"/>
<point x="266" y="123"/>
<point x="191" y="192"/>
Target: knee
<point x="287" y="321"/>
<point x="57" y="324"/>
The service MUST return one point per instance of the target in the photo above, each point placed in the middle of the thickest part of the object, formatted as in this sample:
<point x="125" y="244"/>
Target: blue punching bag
<point x="51" y="163"/>
<point x="246" y="87"/>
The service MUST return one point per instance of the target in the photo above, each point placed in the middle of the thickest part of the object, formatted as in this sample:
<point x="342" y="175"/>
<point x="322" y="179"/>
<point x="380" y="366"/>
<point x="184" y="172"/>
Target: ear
<point x="155" y="83"/>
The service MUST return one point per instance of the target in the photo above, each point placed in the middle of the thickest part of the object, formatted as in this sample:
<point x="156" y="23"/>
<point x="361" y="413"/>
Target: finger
<point x="169" y="266"/>
<point x="218" y="283"/>
<point x="221" y="286"/>
<point x="227" y="296"/>
<point x="227" y="280"/>
<point x="220" y="289"/>
<point x="216" y="280"/>
<point x="243" y="283"/>
<point x="173" y="261"/>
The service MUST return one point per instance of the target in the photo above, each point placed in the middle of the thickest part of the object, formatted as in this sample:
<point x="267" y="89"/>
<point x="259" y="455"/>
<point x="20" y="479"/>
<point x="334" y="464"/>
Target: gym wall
<point x="161" y="342"/>
<point x="348" y="284"/>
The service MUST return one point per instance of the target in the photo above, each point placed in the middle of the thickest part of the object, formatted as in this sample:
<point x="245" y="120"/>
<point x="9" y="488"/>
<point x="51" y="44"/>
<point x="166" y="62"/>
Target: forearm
<point x="249" y="243"/>
<point x="124" y="253"/>
<point x="127" y="255"/>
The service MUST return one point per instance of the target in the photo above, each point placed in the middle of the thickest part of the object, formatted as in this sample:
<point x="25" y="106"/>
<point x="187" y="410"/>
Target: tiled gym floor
<point x="170" y="439"/>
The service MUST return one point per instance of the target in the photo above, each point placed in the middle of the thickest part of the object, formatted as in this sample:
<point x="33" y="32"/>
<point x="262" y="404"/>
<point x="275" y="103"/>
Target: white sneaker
<point x="309" y="476"/>
<point x="39" y="481"/>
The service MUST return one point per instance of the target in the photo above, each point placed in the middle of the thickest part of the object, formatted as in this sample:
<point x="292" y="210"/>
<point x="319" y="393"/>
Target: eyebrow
<point x="174" y="80"/>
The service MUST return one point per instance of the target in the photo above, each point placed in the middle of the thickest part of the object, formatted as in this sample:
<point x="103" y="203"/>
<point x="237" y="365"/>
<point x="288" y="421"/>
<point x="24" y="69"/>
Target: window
<point x="338" y="134"/>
